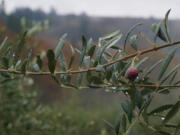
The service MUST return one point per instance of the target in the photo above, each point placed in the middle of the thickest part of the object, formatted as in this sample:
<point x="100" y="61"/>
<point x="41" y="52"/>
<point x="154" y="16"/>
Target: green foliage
<point x="20" y="111"/>
<point x="51" y="61"/>
<point x="166" y="25"/>
<point x="167" y="62"/>
<point x="100" y="66"/>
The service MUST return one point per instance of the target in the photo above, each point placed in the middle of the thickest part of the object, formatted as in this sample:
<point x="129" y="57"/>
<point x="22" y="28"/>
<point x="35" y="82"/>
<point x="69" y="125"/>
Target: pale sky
<point x="136" y="8"/>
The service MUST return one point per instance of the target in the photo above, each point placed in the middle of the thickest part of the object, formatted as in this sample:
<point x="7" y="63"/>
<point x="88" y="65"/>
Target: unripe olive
<point x="132" y="73"/>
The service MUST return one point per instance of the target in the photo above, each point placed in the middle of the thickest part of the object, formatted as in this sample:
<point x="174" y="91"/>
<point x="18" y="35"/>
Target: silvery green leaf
<point x="72" y="56"/>
<point x="19" y="47"/>
<point x="141" y="62"/>
<point x="63" y="62"/>
<point x="133" y="42"/>
<point x="167" y="62"/>
<point x="166" y="25"/>
<point x="107" y="37"/>
<point x="89" y="45"/>
<point x="158" y="32"/>
<point x="172" y="112"/>
<point x="60" y="45"/>
<point x="87" y="61"/>
<point x="83" y="50"/>
<point x="17" y="64"/>
<point x="160" y="109"/>
<point x="51" y="60"/>
<point x="170" y="73"/>
<point x="3" y="43"/>
<point x="129" y="32"/>
<point x="36" y="68"/>
<point x="117" y="126"/>
<point x="153" y="67"/>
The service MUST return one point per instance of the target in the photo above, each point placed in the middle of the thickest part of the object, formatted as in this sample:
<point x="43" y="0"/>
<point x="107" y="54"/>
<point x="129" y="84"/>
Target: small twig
<point x="145" y="85"/>
<point x="129" y="85"/>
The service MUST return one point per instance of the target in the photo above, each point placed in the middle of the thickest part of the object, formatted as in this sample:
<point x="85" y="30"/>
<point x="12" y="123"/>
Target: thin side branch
<point x="129" y="85"/>
<point x="146" y="85"/>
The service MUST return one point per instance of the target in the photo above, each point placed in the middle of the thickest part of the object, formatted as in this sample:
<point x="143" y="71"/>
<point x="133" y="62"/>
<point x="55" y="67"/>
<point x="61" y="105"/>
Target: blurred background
<point x="92" y="18"/>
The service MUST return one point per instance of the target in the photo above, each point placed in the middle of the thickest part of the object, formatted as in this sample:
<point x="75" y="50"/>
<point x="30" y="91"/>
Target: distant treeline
<point x="78" y="25"/>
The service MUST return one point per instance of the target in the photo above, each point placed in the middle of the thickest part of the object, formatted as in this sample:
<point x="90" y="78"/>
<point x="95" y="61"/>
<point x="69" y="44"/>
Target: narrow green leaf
<point x="6" y="59"/>
<point x="170" y="125"/>
<point x="108" y="53"/>
<point x="113" y="41"/>
<point x="124" y="69"/>
<point x="123" y="123"/>
<point x="39" y="61"/>
<point x="103" y="60"/>
<point x="89" y="45"/>
<point x="5" y="62"/>
<point x="63" y="62"/>
<point x="60" y="45"/>
<point x="36" y="68"/>
<point x="71" y="86"/>
<point x="117" y="126"/>
<point x="164" y="91"/>
<point x="141" y="62"/>
<point x="51" y="60"/>
<point x="172" y="112"/>
<point x="166" y="25"/>
<point x="29" y="54"/>
<point x="161" y="109"/>
<point x="115" y="47"/>
<point x="129" y="32"/>
<point x="83" y="50"/>
<point x="158" y="32"/>
<point x="24" y="66"/>
<point x="17" y="64"/>
<point x="72" y="56"/>
<point x="107" y="45"/>
<point x="129" y="131"/>
<point x="167" y="62"/>
<point x="19" y="47"/>
<point x="3" y="43"/>
<point x="127" y="108"/>
<point x="111" y="35"/>
<point x="161" y="35"/>
<point x="133" y="42"/>
<point x="173" y="77"/>
<point x="91" y="51"/>
<point x="77" y="50"/>
<point x="87" y="61"/>
<point x="139" y="99"/>
<point x="6" y="75"/>
<point x="169" y="73"/>
<point x="55" y="79"/>
<point x="153" y="67"/>
<point x="108" y="123"/>
<point x="146" y="105"/>
<point x="105" y="39"/>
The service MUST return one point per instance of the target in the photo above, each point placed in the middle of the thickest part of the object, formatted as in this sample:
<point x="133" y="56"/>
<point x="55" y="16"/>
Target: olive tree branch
<point x="94" y="68"/>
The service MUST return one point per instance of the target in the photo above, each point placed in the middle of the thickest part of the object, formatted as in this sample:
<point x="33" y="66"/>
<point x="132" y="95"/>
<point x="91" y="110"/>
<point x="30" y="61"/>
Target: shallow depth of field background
<point x="82" y="112"/>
